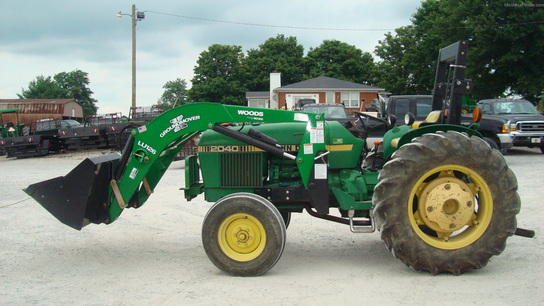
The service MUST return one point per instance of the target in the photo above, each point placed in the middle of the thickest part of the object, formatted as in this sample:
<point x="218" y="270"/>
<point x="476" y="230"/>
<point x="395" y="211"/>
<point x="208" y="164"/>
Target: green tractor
<point x="444" y="201"/>
<point x="9" y="129"/>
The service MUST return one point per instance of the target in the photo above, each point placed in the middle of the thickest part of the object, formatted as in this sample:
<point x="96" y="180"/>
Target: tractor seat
<point x="432" y="118"/>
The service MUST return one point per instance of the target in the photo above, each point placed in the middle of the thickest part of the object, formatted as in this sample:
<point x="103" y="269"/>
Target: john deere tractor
<point x="443" y="200"/>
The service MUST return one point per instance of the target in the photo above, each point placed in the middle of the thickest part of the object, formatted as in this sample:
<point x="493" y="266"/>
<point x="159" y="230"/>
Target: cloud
<point x="47" y="37"/>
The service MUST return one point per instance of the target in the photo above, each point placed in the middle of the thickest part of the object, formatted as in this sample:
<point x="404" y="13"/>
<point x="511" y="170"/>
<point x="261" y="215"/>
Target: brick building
<point x="321" y="89"/>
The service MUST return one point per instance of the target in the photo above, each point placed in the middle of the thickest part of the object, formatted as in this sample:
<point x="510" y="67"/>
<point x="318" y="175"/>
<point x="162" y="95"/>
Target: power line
<point x="325" y="29"/>
<point x="267" y="25"/>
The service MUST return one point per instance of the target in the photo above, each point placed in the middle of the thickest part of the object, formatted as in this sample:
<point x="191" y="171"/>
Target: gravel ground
<point x="154" y="255"/>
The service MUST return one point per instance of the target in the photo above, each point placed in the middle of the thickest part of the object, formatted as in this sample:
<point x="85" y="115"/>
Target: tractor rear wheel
<point x="243" y="234"/>
<point x="446" y="203"/>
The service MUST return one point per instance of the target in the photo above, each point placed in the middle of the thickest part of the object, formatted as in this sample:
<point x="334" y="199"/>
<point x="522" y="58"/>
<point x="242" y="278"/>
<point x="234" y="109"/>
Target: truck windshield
<point x="423" y="107"/>
<point x="331" y="112"/>
<point x="514" y="107"/>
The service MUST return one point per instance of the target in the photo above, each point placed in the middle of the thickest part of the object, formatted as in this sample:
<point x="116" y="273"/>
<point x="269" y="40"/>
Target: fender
<point x="401" y="135"/>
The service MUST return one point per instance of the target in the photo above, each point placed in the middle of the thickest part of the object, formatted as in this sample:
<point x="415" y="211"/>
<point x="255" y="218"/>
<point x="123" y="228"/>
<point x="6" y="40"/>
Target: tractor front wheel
<point x="243" y="234"/>
<point x="446" y="203"/>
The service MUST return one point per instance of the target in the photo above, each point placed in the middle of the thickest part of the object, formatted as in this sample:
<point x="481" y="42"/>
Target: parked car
<point x="521" y="122"/>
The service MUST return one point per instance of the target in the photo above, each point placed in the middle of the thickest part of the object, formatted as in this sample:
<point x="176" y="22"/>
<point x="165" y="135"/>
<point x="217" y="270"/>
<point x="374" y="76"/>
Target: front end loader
<point x="444" y="201"/>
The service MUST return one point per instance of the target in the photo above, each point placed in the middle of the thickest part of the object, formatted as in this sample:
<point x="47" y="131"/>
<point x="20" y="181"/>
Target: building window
<point x="350" y="99"/>
<point x="330" y="97"/>
<point x="258" y="103"/>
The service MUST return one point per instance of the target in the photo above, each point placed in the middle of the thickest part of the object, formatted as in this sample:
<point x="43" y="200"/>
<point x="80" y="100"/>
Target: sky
<point x="50" y="36"/>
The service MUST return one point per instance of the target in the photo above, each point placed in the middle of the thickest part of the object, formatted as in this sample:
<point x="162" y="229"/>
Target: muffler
<point x="82" y="196"/>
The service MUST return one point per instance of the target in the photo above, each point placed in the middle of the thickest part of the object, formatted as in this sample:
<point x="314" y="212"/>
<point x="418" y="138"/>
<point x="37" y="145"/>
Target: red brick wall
<point x="368" y="96"/>
<point x="281" y="99"/>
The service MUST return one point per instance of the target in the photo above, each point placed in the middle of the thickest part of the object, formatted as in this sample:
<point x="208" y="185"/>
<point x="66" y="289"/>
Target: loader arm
<point x="111" y="183"/>
<point x="156" y="144"/>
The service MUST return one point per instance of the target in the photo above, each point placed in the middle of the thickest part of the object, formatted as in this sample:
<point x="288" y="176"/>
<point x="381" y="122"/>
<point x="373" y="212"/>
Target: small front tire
<point x="243" y="234"/>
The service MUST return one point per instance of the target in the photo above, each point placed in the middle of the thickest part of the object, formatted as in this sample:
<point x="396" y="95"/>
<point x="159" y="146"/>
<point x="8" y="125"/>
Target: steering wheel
<point x="369" y="117"/>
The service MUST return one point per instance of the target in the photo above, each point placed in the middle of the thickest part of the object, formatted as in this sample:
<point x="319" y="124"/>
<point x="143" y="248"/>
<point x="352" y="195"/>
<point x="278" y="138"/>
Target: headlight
<point x="509" y="127"/>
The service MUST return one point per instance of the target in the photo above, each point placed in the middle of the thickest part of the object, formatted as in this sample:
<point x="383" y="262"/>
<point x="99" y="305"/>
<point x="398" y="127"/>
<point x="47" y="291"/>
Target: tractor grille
<point x="241" y="169"/>
<point x="530" y="126"/>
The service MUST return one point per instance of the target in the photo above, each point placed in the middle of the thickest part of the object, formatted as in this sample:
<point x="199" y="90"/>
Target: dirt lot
<point x="154" y="256"/>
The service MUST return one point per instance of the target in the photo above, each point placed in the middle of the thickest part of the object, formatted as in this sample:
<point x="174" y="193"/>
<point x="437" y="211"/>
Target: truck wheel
<point x="440" y="206"/>
<point x="492" y="143"/>
<point x="542" y="147"/>
<point x="243" y="234"/>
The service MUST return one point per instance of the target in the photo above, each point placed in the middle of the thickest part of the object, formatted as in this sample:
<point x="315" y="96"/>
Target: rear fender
<point x="399" y="136"/>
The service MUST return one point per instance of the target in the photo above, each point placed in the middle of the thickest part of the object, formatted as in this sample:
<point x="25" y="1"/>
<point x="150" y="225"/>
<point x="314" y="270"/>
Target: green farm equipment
<point x="9" y="129"/>
<point x="444" y="201"/>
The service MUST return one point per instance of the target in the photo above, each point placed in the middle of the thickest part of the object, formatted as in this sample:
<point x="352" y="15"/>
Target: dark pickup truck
<point x="491" y="127"/>
<point x="520" y="122"/>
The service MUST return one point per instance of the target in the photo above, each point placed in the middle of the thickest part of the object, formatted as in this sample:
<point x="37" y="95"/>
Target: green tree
<point x="64" y="85"/>
<point x="505" y="45"/>
<point x="42" y="88"/>
<point x="175" y="94"/>
<point x="76" y="83"/>
<point x="279" y="54"/>
<point x="219" y="76"/>
<point x="401" y="72"/>
<point x="342" y="61"/>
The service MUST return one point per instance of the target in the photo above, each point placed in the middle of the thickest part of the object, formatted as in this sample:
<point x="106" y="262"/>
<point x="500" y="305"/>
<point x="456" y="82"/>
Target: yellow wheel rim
<point x="450" y="207"/>
<point x="241" y="237"/>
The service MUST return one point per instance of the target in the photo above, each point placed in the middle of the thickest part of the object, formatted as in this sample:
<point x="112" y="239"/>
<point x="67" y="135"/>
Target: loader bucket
<point x="82" y="196"/>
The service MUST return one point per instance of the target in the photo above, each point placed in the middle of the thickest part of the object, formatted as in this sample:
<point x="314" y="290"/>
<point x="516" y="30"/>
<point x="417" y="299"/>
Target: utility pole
<point x="136" y="16"/>
<point x="133" y="55"/>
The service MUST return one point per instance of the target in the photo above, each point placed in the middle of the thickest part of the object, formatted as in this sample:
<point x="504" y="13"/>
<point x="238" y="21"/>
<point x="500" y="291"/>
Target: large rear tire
<point x="243" y="234"/>
<point x="446" y="203"/>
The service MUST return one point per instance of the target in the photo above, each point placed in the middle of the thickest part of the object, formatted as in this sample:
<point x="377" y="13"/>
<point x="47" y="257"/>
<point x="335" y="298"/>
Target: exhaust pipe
<point x="82" y="196"/>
